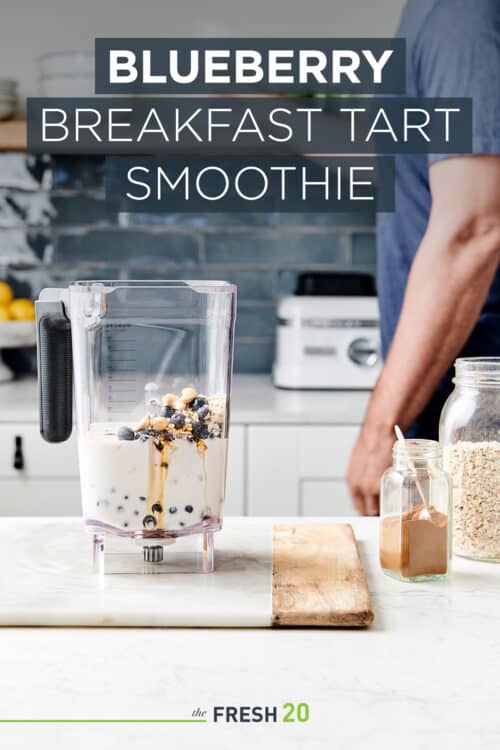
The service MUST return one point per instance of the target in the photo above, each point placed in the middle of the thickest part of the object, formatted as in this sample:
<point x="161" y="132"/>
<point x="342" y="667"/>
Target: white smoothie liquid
<point x="124" y="482"/>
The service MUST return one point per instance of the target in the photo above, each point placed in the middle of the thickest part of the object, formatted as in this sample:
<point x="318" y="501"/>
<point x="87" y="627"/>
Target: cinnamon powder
<point x="416" y="543"/>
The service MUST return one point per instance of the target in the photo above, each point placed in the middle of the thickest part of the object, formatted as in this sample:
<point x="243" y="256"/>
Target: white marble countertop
<point x="425" y="675"/>
<point x="254" y="401"/>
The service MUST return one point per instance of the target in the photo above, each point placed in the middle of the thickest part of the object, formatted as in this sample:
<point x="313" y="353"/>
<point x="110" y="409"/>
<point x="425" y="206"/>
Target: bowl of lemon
<point x="17" y="325"/>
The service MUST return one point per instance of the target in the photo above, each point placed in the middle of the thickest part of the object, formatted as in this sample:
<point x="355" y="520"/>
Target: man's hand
<point x="370" y="457"/>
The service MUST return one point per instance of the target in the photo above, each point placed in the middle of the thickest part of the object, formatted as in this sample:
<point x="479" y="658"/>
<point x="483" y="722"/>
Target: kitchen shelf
<point x="13" y="135"/>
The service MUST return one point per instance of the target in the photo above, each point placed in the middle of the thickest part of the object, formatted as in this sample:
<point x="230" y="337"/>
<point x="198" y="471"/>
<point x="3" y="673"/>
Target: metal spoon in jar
<point x="402" y="442"/>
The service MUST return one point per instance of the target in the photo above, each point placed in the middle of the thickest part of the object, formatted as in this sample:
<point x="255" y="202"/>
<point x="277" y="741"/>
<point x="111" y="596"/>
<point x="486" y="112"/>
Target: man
<point x="438" y="253"/>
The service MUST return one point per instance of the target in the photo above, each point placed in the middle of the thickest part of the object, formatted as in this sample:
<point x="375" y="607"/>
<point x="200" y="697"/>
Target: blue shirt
<point x="453" y="50"/>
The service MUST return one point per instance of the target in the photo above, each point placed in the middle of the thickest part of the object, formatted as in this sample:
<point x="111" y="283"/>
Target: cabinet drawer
<point x="42" y="497"/>
<point x="282" y="460"/>
<point x="273" y="481"/>
<point x="325" y="498"/>
<point x="40" y="459"/>
<point x="323" y="452"/>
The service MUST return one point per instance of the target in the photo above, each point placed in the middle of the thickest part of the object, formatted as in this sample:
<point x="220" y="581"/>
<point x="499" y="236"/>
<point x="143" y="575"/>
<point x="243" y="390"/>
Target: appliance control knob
<point x="363" y="352"/>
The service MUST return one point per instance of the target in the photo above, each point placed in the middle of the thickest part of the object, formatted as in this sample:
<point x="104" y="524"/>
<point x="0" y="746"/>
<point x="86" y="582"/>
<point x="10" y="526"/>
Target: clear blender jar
<point x="151" y="364"/>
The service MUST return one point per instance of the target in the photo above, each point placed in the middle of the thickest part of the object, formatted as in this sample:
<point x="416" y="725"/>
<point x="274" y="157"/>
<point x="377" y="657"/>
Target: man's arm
<point x="447" y="287"/>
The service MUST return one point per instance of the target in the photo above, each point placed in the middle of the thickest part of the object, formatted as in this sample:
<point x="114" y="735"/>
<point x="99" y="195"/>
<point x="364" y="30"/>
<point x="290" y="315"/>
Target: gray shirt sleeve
<point x="457" y="54"/>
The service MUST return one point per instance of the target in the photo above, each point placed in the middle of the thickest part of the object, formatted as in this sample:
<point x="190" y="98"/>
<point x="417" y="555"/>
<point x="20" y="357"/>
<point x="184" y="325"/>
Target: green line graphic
<point x="103" y="721"/>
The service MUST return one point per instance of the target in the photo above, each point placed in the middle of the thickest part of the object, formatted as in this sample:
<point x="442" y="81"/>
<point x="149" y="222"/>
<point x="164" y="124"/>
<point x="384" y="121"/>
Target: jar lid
<point x="478" y="371"/>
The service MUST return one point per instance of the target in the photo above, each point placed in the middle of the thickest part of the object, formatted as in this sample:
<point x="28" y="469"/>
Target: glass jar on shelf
<point x="415" y="502"/>
<point x="470" y="434"/>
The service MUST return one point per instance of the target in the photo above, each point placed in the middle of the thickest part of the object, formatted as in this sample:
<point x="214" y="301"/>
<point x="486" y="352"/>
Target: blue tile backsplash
<point x="55" y="227"/>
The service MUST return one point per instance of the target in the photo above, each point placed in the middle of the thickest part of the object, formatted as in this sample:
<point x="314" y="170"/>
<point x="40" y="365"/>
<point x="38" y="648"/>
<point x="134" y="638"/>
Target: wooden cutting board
<point x="318" y="578"/>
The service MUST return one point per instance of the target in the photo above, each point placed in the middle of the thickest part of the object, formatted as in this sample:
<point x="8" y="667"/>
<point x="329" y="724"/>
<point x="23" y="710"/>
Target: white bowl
<point x="70" y="85"/>
<point x="17" y="333"/>
<point x="66" y="64"/>
<point x="7" y="110"/>
<point x="7" y="87"/>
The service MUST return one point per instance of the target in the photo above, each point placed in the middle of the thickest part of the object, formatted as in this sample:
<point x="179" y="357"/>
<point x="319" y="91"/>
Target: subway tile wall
<point x="55" y="227"/>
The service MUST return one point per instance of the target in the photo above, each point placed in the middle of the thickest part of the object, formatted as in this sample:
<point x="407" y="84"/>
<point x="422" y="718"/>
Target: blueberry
<point x="203" y="412"/>
<point x="178" y="420"/>
<point x="125" y="433"/>
<point x="198" y="403"/>
<point x="157" y="508"/>
<point x="172" y="509"/>
<point x="149" y="522"/>
<point x="166" y="411"/>
<point x="188" y="508"/>
<point x="200" y="432"/>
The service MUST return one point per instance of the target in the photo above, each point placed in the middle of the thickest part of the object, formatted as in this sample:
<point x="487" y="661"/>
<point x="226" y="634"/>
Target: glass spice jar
<point x="415" y="501"/>
<point x="470" y="434"/>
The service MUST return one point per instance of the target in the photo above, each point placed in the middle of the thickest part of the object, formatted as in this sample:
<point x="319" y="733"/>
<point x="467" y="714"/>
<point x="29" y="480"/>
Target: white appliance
<point x="328" y="334"/>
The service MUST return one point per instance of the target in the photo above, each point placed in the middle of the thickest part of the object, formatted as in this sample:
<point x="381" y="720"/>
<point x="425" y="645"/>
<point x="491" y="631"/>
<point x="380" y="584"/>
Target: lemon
<point x="22" y="309"/>
<point x="6" y="293"/>
<point x="4" y="313"/>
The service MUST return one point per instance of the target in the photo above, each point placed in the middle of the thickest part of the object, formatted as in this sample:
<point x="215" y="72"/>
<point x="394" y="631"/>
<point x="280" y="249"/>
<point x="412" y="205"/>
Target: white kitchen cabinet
<point x="43" y="481"/>
<point x="39" y="459"/>
<point x="272" y="484"/>
<point x="285" y="464"/>
<point x="325" y="497"/>
<point x="40" y="497"/>
<point x="323" y="451"/>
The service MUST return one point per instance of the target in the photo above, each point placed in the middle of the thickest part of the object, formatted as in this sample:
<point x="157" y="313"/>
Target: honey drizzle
<point x="201" y="448"/>
<point x="158" y="473"/>
<point x="152" y="479"/>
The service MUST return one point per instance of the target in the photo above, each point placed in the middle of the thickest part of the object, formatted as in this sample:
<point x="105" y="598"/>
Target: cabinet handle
<point x="18" y="454"/>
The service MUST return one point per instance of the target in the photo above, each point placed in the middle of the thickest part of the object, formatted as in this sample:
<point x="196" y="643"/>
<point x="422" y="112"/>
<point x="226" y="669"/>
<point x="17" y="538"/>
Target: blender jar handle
<point x="55" y="372"/>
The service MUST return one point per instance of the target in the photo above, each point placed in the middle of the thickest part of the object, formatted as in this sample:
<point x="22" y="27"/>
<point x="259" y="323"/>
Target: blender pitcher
<point x="151" y="364"/>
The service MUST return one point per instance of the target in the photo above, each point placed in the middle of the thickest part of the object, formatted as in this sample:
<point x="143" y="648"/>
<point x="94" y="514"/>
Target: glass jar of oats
<point x="469" y="431"/>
